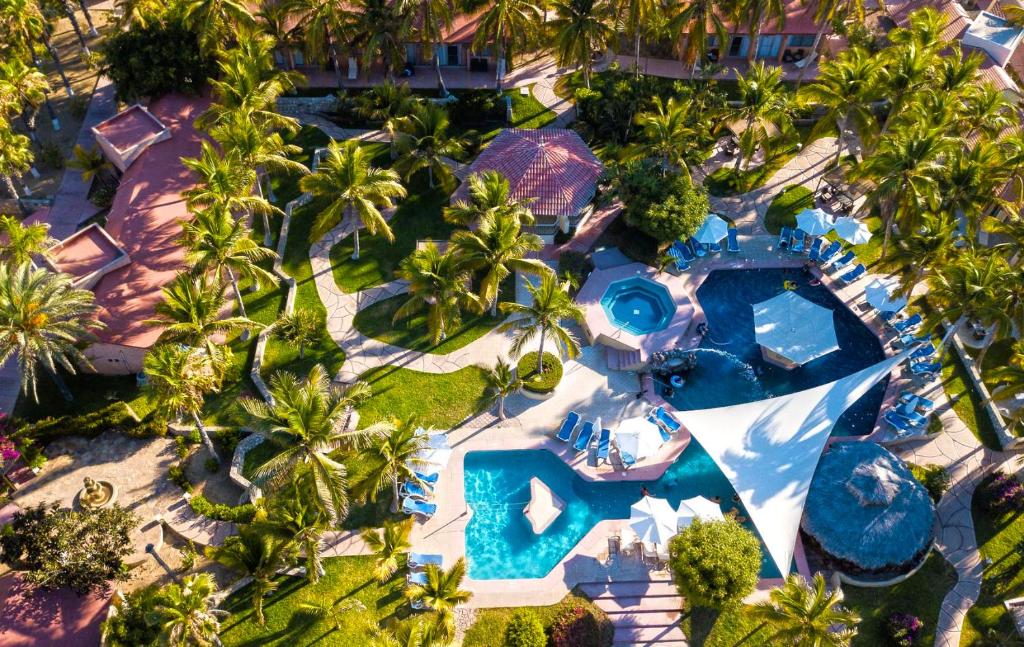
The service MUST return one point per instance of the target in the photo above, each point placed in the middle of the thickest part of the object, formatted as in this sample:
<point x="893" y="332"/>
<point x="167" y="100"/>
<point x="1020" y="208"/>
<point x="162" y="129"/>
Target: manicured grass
<point x="440" y="400"/>
<point x="91" y="393"/>
<point x="376" y="321"/>
<point x="1000" y="537"/>
<point x="489" y="628"/>
<point x="784" y="207"/>
<point x="726" y="180"/>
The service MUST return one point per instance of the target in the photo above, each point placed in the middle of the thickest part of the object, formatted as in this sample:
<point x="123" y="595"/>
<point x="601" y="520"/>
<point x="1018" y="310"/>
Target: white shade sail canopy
<point x="769" y="449"/>
<point x="544" y="506"/>
<point x="697" y="508"/>
<point x="852" y="230"/>
<point x="881" y="295"/>
<point x="814" y="222"/>
<point x="794" y="328"/>
<point x="638" y="437"/>
<point x="713" y="230"/>
<point x="653" y="520"/>
<point x="437" y="451"/>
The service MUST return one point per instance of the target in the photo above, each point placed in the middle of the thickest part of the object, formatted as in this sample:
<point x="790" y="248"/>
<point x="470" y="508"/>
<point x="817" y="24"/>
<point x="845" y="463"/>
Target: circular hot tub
<point x="638" y="305"/>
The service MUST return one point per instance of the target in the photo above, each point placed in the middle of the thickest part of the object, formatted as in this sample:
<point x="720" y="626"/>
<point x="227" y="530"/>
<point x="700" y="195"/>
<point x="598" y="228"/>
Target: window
<point x="801" y="40"/>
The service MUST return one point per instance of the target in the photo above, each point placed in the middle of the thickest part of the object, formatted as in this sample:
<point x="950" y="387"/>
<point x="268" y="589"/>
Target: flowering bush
<point x="8" y="452"/>
<point x="576" y="627"/>
<point x="903" y="629"/>
<point x="1003" y="492"/>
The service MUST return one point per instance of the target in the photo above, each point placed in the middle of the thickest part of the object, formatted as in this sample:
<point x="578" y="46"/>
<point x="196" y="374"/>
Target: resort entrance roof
<point x="769" y="449"/>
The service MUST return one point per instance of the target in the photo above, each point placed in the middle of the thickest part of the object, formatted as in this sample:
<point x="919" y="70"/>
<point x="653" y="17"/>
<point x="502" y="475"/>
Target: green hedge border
<point x="537" y="382"/>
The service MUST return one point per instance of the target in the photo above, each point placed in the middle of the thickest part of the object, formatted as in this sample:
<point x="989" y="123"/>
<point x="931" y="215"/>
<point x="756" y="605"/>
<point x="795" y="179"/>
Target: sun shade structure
<point x="792" y="330"/>
<point x="713" y="230"/>
<point x="544" y="506"/>
<point x="653" y="520"/>
<point x="879" y="294"/>
<point x="866" y="508"/>
<point x="697" y="508"/>
<point x="437" y="451"/>
<point x="769" y="450"/>
<point x="638" y="437"/>
<point x="814" y="222"/>
<point x="852" y="230"/>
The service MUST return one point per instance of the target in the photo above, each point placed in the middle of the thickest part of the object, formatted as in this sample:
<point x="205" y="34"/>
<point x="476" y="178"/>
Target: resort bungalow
<point x="551" y="166"/>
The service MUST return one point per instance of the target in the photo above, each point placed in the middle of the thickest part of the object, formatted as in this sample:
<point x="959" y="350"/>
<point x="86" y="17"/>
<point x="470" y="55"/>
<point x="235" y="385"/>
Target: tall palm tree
<point x="763" y="102"/>
<point x="334" y="611"/>
<point x="699" y="20"/>
<point x="324" y="23"/>
<point x="903" y="72"/>
<point x="432" y="19"/>
<point x="382" y="30"/>
<point x="178" y="379"/>
<point x="224" y="181"/>
<point x="356" y="191"/>
<point x="257" y="555"/>
<point x="218" y="244"/>
<point x="43" y="319"/>
<point x="970" y="179"/>
<point x="961" y="289"/>
<point x="294" y="520"/>
<point x="275" y="20"/>
<point x="91" y="163"/>
<point x="306" y="421"/>
<point x="667" y="134"/>
<point x="15" y="157"/>
<point x="388" y="543"/>
<point x="987" y="111"/>
<point x="442" y="594"/>
<point x="755" y="14"/>
<point x="635" y="16"/>
<point x="1009" y="380"/>
<point x="185" y="612"/>
<point x="422" y="141"/>
<point x="50" y="10"/>
<point x="505" y="24"/>
<point x="438" y="284"/>
<point x="923" y="249"/>
<point x="21" y="243"/>
<point x="806" y="613"/>
<point x="580" y="28"/>
<point x="392" y="458"/>
<point x="825" y="14"/>
<point x="216" y="21"/>
<point x="491" y="195"/>
<point x="28" y="86"/>
<point x="502" y="382"/>
<point x="301" y="328"/>
<point x="23" y="24"/>
<point x="419" y="634"/>
<point x="497" y="248"/>
<point x="550" y="304"/>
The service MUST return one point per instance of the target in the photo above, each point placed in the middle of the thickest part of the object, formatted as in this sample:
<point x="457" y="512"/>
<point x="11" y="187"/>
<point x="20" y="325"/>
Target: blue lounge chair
<point x="829" y="252"/>
<point x="666" y="420"/>
<point x="734" y="243"/>
<point x="418" y="577"/>
<point x="415" y="491"/>
<point x="920" y="403"/>
<point x="583" y="440"/>
<point x="627" y="459"/>
<point x="907" y="340"/>
<point x="798" y="242"/>
<point x="843" y="261"/>
<point x="685" y="250"/>
<point x="698" y="249"/>
<point x="419" y="560"/>
<point x="568" y="426"/>
<point x="913" y="417"/>
<point x="901" y="424"/>
<point x="784" y="237"/>
<point x="714" y="248"/>
<point x="924" y="352"/>
<point x="677" y="260"/>
<point x="429" y="479"/>
<point x="415" y="506"/>
<point x="889" y="315"/>
<point x="603" y="444"/>
<point x="926" y="368"/>
<point x="909" y="323"/>
<point x="815" y="252"/>
<point x="854" y="275"/>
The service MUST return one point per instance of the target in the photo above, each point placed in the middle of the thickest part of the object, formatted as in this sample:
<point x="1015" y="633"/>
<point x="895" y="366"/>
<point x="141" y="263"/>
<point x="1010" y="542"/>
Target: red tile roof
<point x="552" y="165"/>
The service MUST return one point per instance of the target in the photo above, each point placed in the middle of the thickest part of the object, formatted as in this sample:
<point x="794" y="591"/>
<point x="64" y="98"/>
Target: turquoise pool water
<point x="730" y="369"/>
<point x="499" y="541"/>
<point x="638" y="305"/>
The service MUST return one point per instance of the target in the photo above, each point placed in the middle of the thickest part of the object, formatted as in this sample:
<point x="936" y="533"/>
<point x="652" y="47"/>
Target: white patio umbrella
<point x="852" y="230"/>
<point x="638" y="437"/>
<point x="814" y="222"/>
<point x="697" y="508"/>
<point x="879" y="295"/>
<point x="713" y="230"/>
<point x="793" y="328"/>
<point x="653" y="520"/>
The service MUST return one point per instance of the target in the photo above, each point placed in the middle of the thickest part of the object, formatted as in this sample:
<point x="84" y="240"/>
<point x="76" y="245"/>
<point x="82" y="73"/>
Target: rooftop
<point x="87" y="255"/>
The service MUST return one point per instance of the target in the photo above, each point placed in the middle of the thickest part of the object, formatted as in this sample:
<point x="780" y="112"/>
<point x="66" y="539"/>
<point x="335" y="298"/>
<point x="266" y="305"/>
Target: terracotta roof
<point x="552" y="165"/>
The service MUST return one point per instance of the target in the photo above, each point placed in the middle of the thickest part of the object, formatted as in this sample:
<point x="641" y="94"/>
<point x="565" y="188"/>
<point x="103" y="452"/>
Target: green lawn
<point x="91" y="393"/>
<point x="784" y="207"/>
<point x="726" y="180"/>
<point x="489" y="628"/>
<point x="442" y="400"/>
<point x="1000" y="537"/>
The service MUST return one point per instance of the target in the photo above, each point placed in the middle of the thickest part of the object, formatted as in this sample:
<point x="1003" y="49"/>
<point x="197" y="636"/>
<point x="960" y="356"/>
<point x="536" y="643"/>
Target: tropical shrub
<point x="664" y="208"/>
<point x="525" y="630"/>
<point x="903" y="629"/>
<point x="50" y="156"/>
<point x="575" y="264"/>
<point x="176" y="474"/>
<point x="475" y="107"/>
<point x="155" y="60"/>
<point x="222" y="512"/>
<point x="1002" y="492"/>
<point x="933" y="478"/>
<point x="103" y="196"/>
<point x="576" y="626"/>
<point x="113" y="417"/>
<point x="80" y="549"/>
<point x="539" y="382"/>
<point x="129" y="627"/>
<point x="715" y="563"/>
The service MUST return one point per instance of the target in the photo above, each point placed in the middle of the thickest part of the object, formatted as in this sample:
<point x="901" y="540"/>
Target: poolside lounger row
<point x="924" y="352"/>
<point x="418" y="507"/>
<point x="829" y="252"/>
<point x="904" y="428"/>
<point x="586" y="435"/>
<point x="927" y="370"/>
<point x="843" y="261"/>
<point x="908" y="324"/>
<point x="677" y="259"/>
<point x="415" y="490"/>
<point x="815" y="250"/>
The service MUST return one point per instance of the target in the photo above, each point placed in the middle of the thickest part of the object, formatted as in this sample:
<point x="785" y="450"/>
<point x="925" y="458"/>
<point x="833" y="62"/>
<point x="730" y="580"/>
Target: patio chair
<point x="586" y="435"/>
<point x="907" y="411"/>
<point x="843" y="261"/>
<point x="889" y="315"/>
<point x="798" y="242"/>
<point x="829" y="252"/>
<point x="628" y="460"/>
<point x="909" y="323"/>
<point x="677" y="260"/>
<point x="926" y="368"/>
<point x="734" y="243"/>
<point x="414" y="491"/>
<point x="665" y="419"/>
<point x="428" y="479"/>
<point x="568" y="426"/>
<point x="417" y="507"/>
<point x="784" y="237"/>
<point x="920" y="403"/>
<point x="650" y="553"/>
<point x="924" y="352"/>
<point x="418" y="578"/>
<point x="854" y="275"/>
<point x="714" y="248"/>
<point x="685" y="250"/>
<point x="815" y="252"/>
<point x="603" y="445"/>
<point x="908" y="339"/>
<point x="901" y="424"/>
<point x="665" y="436"/>
<point x="698" y="249"/>
<point x="420" y="560"/>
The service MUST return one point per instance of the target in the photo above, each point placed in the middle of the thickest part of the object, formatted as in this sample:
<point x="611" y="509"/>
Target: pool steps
<point x="644" y="612"/>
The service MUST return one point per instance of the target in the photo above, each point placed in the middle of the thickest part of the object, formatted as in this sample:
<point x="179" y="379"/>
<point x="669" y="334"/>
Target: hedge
<point x="222" y="512"/>
<point x="113" y="417"/>
<point x="540" y="382"/>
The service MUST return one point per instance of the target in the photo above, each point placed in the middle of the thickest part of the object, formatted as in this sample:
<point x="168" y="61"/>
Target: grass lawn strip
<point x="439" y="400"/>
<point x="784" y="207"/>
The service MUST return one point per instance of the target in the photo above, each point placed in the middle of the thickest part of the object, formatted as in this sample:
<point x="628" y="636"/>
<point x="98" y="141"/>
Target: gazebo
<point x="792" y="330"/>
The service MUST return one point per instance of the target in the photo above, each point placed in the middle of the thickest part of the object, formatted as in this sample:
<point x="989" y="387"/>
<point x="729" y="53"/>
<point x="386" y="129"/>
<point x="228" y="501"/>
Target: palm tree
<point x="635" y="16"/>
<point x="23" y="25"/>
<point x="15" y="157"/>
<point x="43" y="318"/>
<point x="498" y="247"/>
<point x="257" y="555"/>
<point x="922" y="249"/>
<point x="438" y="284"/>
<point x="292" y="519"/>
<point x="666" y="133"/>
<point x="548" y="306"/>
<point x="987" y="111"/>
<point x="505" y="24"/>
<point x="69" y="13"/>
<point x="21" y="243"/>
<point x="442" y="594"/>
<point x="356" y="191"/>
<point x="961" y="289"/>
<point x="904" y="70"/>
<point x="215" y="21"/>
<point x="90" y="163"/>
<point x="300" y="328"/>
<point x="825" y="14"/>
<point x="178" y="379"/>
<point x="407" y="635"/>
<point x="224" y="181"/>
<point x="502" y="382"/>
<point x="763" y="101"/>
<point x="433" y="18"/>
<point x="1009" y="380"/>
<point x="335" y="612"/>
<point x="758" y="13"/>
<point x="307" y="419"/>
<point x="580" y="28"/>
<point x="323" y="24"/>
<point x="218" y="244"/>
<point x="275" y="20"/>
<point x="28" y="86"/>
<point x="802" y="613"/>
<point x="138" y="13"/>
<point x="382" y="30"/>
<point x="970" y="180"/>
<point x="388" y="544"/>
<point x="490" y="195"/>
<point x="392" y="458"/>
<point x="698" y="19"/>
<point x="422" y="141"/>
<point x="386" y="102"/>
<point x="185" y="612"/>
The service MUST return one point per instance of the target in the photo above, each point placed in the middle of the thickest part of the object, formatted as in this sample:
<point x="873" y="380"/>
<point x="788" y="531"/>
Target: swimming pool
<point x="638" y="305"/>
<point x="499" y="541"/>
<point x="730" y="369"/>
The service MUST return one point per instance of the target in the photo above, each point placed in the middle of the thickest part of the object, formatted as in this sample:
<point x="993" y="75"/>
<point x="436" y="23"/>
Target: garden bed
<point x="536" y="381"/>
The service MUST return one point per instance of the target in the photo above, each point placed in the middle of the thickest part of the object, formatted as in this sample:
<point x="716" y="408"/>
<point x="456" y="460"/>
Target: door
<point x="738" y="46"/>
<point x="769" y="46"/>
<point x="451" y="55"/>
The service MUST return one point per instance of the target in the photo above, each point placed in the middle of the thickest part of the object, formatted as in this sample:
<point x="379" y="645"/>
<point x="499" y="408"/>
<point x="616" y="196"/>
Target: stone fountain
<point x="96" y="494"/>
